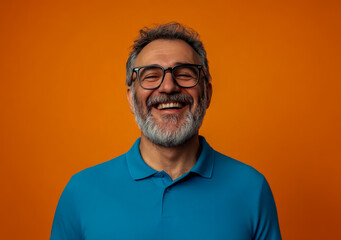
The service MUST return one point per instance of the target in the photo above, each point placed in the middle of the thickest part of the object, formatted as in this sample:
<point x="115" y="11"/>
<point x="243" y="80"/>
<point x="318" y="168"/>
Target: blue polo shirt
<point x="219" y="198"/>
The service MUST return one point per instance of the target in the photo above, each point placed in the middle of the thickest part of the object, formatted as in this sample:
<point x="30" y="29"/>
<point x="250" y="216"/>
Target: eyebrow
<point x="178" y="63"/>
<point x="175" y="64"/>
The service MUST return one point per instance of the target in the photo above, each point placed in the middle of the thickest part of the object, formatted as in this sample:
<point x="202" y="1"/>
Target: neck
<point x="175" y="161"/>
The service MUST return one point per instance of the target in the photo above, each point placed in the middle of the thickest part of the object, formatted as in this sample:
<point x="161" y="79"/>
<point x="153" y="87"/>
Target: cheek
<point x="197" y="95"/>
<point x="200" y="101"/>
<point x="140" y="102"/>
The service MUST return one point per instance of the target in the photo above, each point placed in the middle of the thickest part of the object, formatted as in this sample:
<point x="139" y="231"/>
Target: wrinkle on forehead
<point x="167" y="53"/>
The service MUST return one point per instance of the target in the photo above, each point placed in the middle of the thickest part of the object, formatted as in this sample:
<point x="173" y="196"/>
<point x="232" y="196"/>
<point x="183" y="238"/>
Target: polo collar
<point x="137" y="167"/>
<point x="140" y="170"/>
<point x="205" y="163"/>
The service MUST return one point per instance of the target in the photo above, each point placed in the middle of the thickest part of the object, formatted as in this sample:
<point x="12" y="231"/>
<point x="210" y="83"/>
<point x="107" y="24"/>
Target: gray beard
<point x="166" y="137"/>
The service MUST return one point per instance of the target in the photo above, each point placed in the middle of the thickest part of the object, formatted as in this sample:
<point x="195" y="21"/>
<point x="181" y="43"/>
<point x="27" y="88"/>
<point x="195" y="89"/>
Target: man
<point x="171" y="184"/>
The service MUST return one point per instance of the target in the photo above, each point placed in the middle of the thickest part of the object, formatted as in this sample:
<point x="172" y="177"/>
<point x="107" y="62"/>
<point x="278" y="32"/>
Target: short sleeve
<point x="267" y="226"/>
<point x="66" y="223"/>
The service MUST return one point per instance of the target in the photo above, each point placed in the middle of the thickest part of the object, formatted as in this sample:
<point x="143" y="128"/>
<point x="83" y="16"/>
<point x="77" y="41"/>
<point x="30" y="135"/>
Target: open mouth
<point x="169" y="105"/>
<point x="169" y="102"/>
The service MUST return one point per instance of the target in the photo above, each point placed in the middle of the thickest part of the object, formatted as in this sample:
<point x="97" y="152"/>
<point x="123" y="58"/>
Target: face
<point x="169" y="115"/>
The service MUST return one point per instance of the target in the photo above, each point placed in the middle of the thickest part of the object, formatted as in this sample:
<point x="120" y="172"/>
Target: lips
<point x="170" y="105"/>
<point x="163" y="102"/>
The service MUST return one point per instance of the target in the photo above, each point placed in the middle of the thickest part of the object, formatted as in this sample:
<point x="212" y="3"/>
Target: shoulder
<point x="229" y="166"/>
<point x="100" y="175"/>
<point x="228" y="170"/>
<point x="237" y="176"/>
<point x="241" y="182"/>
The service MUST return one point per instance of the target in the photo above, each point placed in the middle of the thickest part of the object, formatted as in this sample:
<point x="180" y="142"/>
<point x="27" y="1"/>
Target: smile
<point x="169" y="105"/>
<point x="169" y="102"/>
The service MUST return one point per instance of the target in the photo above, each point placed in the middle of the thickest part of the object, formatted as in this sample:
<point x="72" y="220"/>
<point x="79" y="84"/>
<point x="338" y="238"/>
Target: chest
<point x="156" y="209"/>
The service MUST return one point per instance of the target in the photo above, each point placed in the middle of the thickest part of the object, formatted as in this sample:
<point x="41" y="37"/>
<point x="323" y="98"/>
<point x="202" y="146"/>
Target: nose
<point x="168" y="85"/>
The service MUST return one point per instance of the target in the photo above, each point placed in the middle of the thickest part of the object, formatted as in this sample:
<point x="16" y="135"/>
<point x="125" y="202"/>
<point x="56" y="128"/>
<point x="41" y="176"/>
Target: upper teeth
<point x="169" y="105"/>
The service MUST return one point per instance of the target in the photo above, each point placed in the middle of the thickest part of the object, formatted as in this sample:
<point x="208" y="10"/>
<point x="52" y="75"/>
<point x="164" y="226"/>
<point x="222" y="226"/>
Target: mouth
<point x="169" y="102"/>
<point x="169" y="105"/>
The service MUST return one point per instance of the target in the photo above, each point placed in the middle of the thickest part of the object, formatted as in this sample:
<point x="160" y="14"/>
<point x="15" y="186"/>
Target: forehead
<point x="167" y="53"/>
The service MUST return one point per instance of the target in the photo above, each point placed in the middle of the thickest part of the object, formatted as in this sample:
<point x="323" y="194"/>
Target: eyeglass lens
<point x="185" y="76"/>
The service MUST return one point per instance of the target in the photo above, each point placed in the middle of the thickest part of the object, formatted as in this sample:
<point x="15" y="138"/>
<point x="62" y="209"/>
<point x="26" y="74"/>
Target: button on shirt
<point x="124" y="198"/>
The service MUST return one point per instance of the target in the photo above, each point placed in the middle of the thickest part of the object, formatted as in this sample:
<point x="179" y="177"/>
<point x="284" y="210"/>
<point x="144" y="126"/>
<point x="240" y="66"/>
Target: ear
<point x="130" y="99"/>
<point x="209" y="93"/>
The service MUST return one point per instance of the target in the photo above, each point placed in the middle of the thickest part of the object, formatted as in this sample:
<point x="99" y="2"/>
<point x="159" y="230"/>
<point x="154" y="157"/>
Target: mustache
<point x="169" y="98"/>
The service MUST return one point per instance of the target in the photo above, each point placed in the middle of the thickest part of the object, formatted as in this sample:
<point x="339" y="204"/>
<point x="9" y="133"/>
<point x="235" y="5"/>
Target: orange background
<point x="276" y="100"/>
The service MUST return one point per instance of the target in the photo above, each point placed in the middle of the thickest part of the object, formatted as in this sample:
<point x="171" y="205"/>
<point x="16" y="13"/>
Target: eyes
<point x="151" y="76"/>
<point x="181" y="73"/>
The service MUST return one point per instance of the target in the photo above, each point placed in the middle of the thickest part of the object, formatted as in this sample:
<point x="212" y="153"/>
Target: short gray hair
<point x="171" y="30"/>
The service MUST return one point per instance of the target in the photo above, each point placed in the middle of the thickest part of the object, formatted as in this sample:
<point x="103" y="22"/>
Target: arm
<point x="267" y="226"/>
<point x="66" y="223"/>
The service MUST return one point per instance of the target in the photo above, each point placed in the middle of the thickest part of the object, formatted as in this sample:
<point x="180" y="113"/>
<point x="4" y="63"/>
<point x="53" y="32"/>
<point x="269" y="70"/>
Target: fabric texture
<point x="124" y="198"/>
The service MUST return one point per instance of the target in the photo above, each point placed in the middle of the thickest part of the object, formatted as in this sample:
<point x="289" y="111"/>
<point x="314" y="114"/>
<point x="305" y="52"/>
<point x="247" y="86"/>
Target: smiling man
<point x="171" y="184"/>
<point x="169" y="96"/>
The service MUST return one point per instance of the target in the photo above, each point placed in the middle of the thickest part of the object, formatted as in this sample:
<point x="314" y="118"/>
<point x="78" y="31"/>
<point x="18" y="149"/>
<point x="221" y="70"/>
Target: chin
<point x="169" y="141"/>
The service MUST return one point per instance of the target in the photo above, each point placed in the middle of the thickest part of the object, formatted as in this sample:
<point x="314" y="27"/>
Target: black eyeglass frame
<point x="171" y="69"/>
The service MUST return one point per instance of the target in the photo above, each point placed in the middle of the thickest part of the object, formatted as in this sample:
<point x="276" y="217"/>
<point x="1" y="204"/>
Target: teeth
<point x="169" y="105"/>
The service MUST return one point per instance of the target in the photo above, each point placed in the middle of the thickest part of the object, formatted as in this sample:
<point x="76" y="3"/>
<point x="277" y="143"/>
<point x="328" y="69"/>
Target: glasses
<point x="152" y="76"/>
